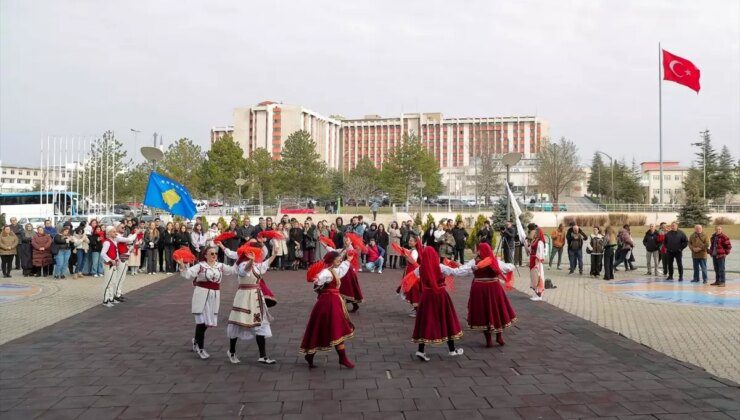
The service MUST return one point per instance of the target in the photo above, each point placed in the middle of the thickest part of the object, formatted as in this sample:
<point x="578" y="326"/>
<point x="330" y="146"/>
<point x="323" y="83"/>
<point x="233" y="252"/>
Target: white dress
<point x="249" y="315"/>
<point x="206" y="300"/>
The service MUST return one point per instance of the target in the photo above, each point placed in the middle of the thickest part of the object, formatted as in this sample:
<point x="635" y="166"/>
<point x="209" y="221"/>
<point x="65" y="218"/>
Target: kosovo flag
<point x="166" y="194"/>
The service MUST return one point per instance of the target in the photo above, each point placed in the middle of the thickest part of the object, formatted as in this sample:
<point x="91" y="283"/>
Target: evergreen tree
<point x="472" y="241"/>
<point x="600" y="178"/>
<point x="714" y="180"/>
<point x="182" y="162"/>
<point x="724" y="181"/>
<point x="429" y="221"/>
<point x="499" y="213"/>
<point x="224" y="162"/>
<point x="408" y="164"/>
<point x="301" y="170"/>
<point x="694" y="210"/>
<point x="260" y="171"/>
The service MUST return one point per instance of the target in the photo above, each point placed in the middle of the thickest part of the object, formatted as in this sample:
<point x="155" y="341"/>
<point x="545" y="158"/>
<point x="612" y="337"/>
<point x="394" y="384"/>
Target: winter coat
<point x="485" y="236"/>
<point x="625" y="237"/>
<point x="382" y="239"/>
<point x="720" y="245"/>
<point x="41" y="258"/>
<point x="81" y="242"/>
<point x="699" y="245"/>
<point x="151" y="240"/>
<point x="651" y="241"/>
<point x="675" y="241"/>
<point x="595" y="244"/>
<point x="95" y="243"/>
<point x="61" y="242"/>
<point x="8" y="243"/>
<point x="558" y="238"/>
<point x="460" y="235"/>
<point x="575" y="240"/>
<point x="394" y="236"/>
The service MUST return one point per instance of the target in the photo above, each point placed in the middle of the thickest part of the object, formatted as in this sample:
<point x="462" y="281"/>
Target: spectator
<point x="610" y="239"/>
<point x="160" y="246"/>
<point x="427" y="237"/>
<point x="81" y="244"/>
<point x="699" y="246"/>
<point x="245" y="232"/>
<point x="595" y="247"/>
<point x="338" y="237"/>
<point x="49" y="228"/>
<point x="95" y="238"/>
<point x="26" y="250"/>
<point x="42" y="256"/>
<point x="447" y="243"/>
<point x="627" y="244"/>
<point x="182" y="237"/>
<point x="575" y="238"/>
<point x="198" y="238"/>
<point x="383" y="240"/>
<point x="18" y="231"/>
<point x="651" y="241"/>
<point x="508" y="242"/>
<point x="310" y="239"/>
<point x="8" y="249"/>
<point x="558" y="242"/>
<point x="151" y="244"/>
<point x="374" y="257"/>
<point x="394" y="237"/>
<point x="661" y="254"/>
<point x="295" y="239"/>
<point x="675" y="242"/>
<point x="485" y="234"/>
<point x="371" y="233"/>
<point x="374" y="208"/>
<point x="62" y="242"/>
<point x="460" y="236"/>
<point x="719" y="249"/>
<point x="322" y="230"/>
<point x="168" y="244"/>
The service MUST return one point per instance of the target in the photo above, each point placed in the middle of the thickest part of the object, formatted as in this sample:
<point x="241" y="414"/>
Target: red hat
<point x="429" y="268"/>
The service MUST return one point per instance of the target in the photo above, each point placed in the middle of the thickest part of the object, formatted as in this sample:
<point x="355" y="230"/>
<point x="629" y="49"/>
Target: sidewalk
<point x="134" y="361"/>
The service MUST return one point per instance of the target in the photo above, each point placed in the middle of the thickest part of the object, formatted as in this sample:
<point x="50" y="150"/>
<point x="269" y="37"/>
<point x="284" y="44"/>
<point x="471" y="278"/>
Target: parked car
<point x="36" y="222"/>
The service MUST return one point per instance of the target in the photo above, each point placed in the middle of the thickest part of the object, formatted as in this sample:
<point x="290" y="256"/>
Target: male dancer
<point x="122" y="244"/>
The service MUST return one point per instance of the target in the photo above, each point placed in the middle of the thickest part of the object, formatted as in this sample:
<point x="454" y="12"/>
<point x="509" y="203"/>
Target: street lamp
<point x="239" y="183"/>
<point x="421" y="184"/>
<point x="509" y="160"/>
<point x="704" y="158"/>
<point x="611" y="162"/>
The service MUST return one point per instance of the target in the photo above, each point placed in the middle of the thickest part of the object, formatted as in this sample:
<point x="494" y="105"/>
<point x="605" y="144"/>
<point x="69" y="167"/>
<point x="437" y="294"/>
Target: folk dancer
<point x="123" y="244"/>
<point x="111" y="265"/>
<point x="537" y="251"/>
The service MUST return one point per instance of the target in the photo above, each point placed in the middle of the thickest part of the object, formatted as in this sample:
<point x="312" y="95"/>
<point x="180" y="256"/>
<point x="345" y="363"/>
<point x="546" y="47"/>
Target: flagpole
<point x="660" y="124"/>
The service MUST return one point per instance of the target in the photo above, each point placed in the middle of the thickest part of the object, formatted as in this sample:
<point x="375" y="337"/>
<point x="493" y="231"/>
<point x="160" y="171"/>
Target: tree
<point x="725" y="177"/>
<point x="361" y="182"/>
<point x="104" y="170"/>
<point x="406" y="166"/>
<point x="557" y="168"/>
<point x="300" y="168"/>
<point x="222" y="167"/>
<point x="499" y="213"/>
<point x="488" y="179"/>
<point x="429" y="221"/>
<point x="694" y="210"/>
<point x="261" y="174"/>
<point x="472" y="241"/>
<point x="132" y="183"/>
<point x="182" y="162"/>
<point x="600" y="178"/>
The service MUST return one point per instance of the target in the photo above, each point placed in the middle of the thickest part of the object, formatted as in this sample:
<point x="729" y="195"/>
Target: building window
<point x="35" y="173"/>
<point x="656" y="177"/>
<point x="677" y="177"/>
<point x="12" y="171"/>
<point x="28" y="173"/>
<point x="667" y="177"/>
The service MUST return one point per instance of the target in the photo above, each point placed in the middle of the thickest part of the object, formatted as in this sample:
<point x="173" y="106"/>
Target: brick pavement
<point x="134" y="361"/>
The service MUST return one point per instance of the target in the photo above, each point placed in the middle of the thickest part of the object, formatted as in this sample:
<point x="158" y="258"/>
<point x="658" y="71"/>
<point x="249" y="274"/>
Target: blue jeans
<point x="61" y="261"/>
<point x="96" y="267"/>
<point x="719" y="269"/>
<point x="700" y="263"/>
<point x="371" y="266"/>
<point x="80" y="261"/>
<point x="575" y="256"/>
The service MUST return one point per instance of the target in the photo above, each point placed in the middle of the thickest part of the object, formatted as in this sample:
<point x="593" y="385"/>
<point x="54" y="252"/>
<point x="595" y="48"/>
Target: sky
<point x="590" y="68"/>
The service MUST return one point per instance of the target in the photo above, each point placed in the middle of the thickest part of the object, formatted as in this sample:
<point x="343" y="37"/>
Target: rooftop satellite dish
<point x="239" y="182"/>
<point x="152" y="154"/>
<point x="511" y="159"/>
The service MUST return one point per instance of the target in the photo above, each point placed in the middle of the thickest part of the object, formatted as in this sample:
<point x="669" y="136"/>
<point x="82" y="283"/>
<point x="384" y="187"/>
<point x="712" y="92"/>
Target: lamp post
<point x="509" y="160"/>
<point x="611" y="162"/>
<point x="239" y="183"/>
<point x="704" y="159"/>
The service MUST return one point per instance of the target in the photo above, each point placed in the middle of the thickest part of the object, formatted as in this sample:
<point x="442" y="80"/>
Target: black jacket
<point x="509" y="235"/>
<point x="676" y="241"/>
<point x="168" y="239"/>
<point x="651" y="241"/>
<point x="460" y="235"/>
<point x="485" y="236"/>
<point x="575" y="240"/>
<point x="96" y="244"/>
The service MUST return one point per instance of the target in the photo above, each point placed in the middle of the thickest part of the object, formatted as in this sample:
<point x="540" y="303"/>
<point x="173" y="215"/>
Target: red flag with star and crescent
<point x="681" y="71"/>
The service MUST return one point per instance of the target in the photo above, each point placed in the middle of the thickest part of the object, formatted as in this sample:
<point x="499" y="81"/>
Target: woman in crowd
<point x="249" y="317"/>
<point x="610" y="246"/>
<point x="295" y="241"/>
<point x="168" y="242"/>
<point x="328" y="325"/>
<point x="394" y="237"/>
<point x="42" y="257"/>
<point x="322" y="231"/>
<point x="182" y="237"/>
<point x="537" y="252"/>
<point x="137" y="249"/>
<point x="280" y="248"/>
<point x="211" y="234"/>
<point x="26" y="250"/>
<point x="151" y="243"/>
<point x="595" y="247"/>
<point x="489" y="309"/>
<point x="197" y="239"/>
<point x="461" y="236"/>
<point x="447" y="244"/>
<point x="82" y="248"/>
<point x="206" y="276"/>
<point x="383" y="240"/>
<point x="436" y="319"/>
<point x="95" y="239"/>
<point x="8" y="249"/>
<point x="428" y="237"/>
<point x="62" y="244"/>
<point x="308" y="245"/>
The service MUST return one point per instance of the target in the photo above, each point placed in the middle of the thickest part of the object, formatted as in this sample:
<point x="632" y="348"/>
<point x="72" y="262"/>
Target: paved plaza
<point x="134" y="361"/>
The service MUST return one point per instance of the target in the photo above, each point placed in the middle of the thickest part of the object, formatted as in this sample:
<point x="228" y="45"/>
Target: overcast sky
<point x="180" y="67"/>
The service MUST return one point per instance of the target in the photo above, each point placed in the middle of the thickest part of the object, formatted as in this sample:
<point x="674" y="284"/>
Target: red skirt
<point x="270" y="298"/>
<point x="413" y="296"/>
<point x="436" y="319"/>
<point x="350" y="287"/>
<point x="489" y="308"/>
<point x="328" y="325"/>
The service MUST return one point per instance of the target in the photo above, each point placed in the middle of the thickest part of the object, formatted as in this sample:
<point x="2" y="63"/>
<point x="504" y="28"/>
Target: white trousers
<point x="110" y="277"/>
<point x="122" y="268"/>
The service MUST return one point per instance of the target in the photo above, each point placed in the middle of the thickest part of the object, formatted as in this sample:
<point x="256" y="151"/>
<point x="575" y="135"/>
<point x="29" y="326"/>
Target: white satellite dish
<point x="152" y="154"/>
<point x="511" y="159"/>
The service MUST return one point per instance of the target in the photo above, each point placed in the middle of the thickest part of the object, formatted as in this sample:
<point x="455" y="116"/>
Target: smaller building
<point x="217" y="133"/>
<point x="26" y="178"/>
<point x="673" y="177"/>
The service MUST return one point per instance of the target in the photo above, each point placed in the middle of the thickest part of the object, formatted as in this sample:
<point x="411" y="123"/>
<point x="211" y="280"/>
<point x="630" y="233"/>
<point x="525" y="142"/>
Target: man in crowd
<point x="625" y="251"/>
<point x="699" y="246"/>
<point x="675" y="242"/>
<point x="374" y="257"/>
<point x="485" y="234"/>
<point x="461" y="236"/>
<point x="374" y="208"/>
<point x="558" y="242"/>
<point x="651" y="241"/>
<point x="662" y="230"/>
<point x="575" y="238"/>
<point x="719" y="250"/>
<point x="245" y="232"/>
<point x="49" y="229"/>
<point x="508" y="233"/>
<point x="160" y="244"/>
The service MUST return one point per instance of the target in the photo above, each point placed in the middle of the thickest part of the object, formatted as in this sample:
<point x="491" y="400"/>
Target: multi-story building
<point x="26" y="178"/>
<point x="217" y="133"/>
<point x="673" y="177"/>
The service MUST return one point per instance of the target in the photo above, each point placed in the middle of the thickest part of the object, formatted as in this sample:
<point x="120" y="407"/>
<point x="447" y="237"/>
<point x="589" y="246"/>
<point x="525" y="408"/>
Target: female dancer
<point x="329" y="325"/>
<point x="489" y="310"/>
<point x="536" y="260"/>
<point x="349" y="283"/>
<point x="436" y="319"/>
<point x="413" y="295"/>
<point x="206" y="277"/>
<point x="249" y="316"/>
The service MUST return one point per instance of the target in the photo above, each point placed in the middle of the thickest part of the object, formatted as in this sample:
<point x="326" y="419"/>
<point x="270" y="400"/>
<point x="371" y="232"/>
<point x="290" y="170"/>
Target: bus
<point x="50" y="204"/>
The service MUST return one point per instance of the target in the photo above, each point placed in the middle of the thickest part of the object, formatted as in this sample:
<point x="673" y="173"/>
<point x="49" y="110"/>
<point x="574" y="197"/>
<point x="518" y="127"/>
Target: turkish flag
<point x="681" y="71"/>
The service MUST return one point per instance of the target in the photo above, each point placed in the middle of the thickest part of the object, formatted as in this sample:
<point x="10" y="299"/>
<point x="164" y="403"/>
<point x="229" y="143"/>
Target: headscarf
<point x="485" y="251"/>
<point x="429" y="270"/>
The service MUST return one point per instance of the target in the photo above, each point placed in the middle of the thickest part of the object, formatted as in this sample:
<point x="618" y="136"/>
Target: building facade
<point x="26" y="178"/>
<point x="673" y="177"/>
<point x="217" y="133"/>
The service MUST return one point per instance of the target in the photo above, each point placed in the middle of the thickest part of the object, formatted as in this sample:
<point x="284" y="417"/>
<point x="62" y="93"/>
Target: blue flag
<point x="166" y="194"/>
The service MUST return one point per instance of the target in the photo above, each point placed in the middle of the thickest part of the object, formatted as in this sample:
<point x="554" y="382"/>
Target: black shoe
<point x="570" y="271"/>
<point x="680" y="279"/>
<point x="62" y="277"/>
<point x="716" y="283"/>
<point x="695" y="281"/>
<point x="119" y="299"/>
<point x="669" y="278"/>
<point x="721" y="284"/>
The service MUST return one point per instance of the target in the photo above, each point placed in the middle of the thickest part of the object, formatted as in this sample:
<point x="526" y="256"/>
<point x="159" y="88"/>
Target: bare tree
<point x="488" y="178"/>
<point x="557" y="168"/>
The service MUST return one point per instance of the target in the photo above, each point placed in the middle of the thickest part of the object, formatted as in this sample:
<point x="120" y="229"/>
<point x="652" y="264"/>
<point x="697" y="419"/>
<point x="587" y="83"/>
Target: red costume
<point x="413" y="295"/>
<point x="349" y="287"/>
<point x="489" y="309"/>
<point x="436" y="319"/>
